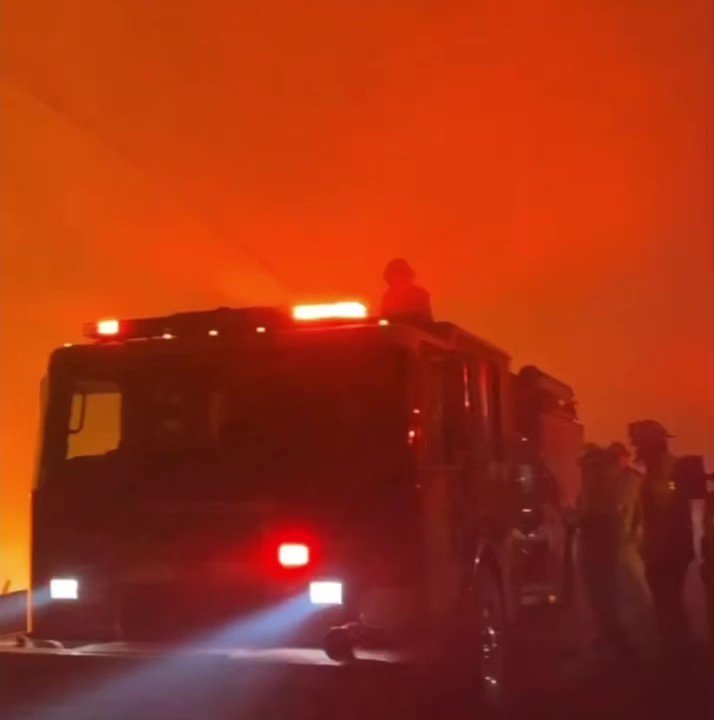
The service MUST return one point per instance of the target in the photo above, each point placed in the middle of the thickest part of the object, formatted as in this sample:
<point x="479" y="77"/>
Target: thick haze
<point x="545" y="165"/>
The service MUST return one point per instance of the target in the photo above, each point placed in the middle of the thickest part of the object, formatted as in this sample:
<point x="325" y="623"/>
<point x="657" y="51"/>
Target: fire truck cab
<point x="266" y="476"/>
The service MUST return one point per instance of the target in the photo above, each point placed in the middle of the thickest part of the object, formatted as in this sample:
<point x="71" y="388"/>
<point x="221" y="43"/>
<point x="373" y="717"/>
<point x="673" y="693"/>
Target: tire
<point x="568" y="583"/>
<point x="491" y="653"/>
<point x="477" y="659"/>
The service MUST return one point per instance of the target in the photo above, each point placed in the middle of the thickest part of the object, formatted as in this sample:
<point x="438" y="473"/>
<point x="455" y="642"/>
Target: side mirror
<point x="689" y="476"/>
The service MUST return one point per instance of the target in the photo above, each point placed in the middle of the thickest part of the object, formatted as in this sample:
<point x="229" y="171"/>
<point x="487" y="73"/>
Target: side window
<point x="450" y="396"/>
<point x="495" y="416"/>
<point x="475" y="408"/>
<point x="435" y="420"/>
<point x="94" y="426"/>
<point x="490" y="396"/>
<point x="470" y="398"/>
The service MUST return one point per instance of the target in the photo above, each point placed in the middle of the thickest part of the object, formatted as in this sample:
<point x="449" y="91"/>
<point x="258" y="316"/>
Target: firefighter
<point x="601" y="540"/>
<point x="404" y="299"/>
<point x="634" y="597"/>
<point x="626" y="492"/>
<point x="707" y="563"/>
<point x="668" y="540"/>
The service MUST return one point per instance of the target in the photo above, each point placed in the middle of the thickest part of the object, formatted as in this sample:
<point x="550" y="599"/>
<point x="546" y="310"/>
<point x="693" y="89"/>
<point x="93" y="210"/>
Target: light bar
<point x="292" y="555"/>
<point x="106" y="328"/>
<point x="326" y="592"/>
<point x="329" y="311"/>
<point x="64" y="589"/>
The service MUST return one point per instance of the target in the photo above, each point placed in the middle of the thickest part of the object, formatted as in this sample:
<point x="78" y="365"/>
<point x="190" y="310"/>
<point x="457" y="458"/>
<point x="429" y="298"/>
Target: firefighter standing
<point x="707" y="562"/>
<point x="601" y="541"/>
<point x="628" y="484"/>
<point x="668" y="545"/>
<point x="404" y="299"/>
<point x="634" y="594"/>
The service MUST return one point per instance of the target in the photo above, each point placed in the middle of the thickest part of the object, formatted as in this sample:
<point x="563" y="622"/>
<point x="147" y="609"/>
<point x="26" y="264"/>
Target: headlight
<point x="64" y="589"/>
<point x="326" y="592"/>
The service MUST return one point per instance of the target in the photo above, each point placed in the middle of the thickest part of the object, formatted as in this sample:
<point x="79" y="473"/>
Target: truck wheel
<point x="489" y="638"/>
<point x="569" y="575"/>
<point x="477" y="666"/>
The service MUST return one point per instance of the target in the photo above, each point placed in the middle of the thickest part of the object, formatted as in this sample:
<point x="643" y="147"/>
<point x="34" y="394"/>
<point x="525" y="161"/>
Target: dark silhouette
<point x="404" y="299"/>
<point x="602" y="534"/>
<point x="668" y="542"/>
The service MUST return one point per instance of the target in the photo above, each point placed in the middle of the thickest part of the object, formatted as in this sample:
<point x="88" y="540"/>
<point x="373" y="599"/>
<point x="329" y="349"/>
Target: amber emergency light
<point x="223" y="321"/>
<point x="330" y="311"/>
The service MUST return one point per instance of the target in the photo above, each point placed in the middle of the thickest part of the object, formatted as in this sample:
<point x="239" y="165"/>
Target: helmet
<point x="592" y="454"/>
<point x="398" y="269"/>
<point x="617" y="449"/>
<point x="643" y="432"/>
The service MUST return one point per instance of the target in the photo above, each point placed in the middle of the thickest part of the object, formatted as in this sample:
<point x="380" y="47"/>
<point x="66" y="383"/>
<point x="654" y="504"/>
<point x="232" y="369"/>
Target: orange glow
<point x="549" y="183"/>
<point x="328" y="311"/>
<point x="108" y="327"/>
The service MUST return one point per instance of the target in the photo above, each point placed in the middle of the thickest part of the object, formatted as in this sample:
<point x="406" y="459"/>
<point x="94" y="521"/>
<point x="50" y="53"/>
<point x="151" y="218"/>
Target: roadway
<point x="555" y="675"/>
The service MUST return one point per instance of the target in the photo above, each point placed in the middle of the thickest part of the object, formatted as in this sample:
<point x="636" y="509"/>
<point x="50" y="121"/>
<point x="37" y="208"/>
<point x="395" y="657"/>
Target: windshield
<point x="270" y="417"/>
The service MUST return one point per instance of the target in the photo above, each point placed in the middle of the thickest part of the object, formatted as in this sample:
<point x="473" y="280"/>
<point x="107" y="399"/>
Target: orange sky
<point x="546" y="166"/>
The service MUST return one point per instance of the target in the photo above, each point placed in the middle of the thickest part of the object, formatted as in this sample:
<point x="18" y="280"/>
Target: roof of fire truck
<point x="237" y="322"/>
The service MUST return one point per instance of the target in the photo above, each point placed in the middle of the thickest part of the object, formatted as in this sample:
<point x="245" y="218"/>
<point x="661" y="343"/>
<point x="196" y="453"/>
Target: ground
<point x="556" y="675"/>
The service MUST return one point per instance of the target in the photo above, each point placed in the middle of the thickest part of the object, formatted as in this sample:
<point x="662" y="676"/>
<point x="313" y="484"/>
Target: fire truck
<point x="304" y="475"/>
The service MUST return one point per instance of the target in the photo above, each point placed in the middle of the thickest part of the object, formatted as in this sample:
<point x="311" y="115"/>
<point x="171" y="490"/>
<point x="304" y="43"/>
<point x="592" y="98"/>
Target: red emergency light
<point x="293" y="555"/>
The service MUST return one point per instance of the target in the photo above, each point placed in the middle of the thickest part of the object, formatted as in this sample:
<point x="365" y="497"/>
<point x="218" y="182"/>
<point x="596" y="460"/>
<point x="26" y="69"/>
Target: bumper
<point x="165" y="612"/>
<point x="215" y="614"/>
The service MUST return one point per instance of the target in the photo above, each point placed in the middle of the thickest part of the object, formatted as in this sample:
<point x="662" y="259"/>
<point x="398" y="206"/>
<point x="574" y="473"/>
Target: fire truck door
<point x="444" y="488"/>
